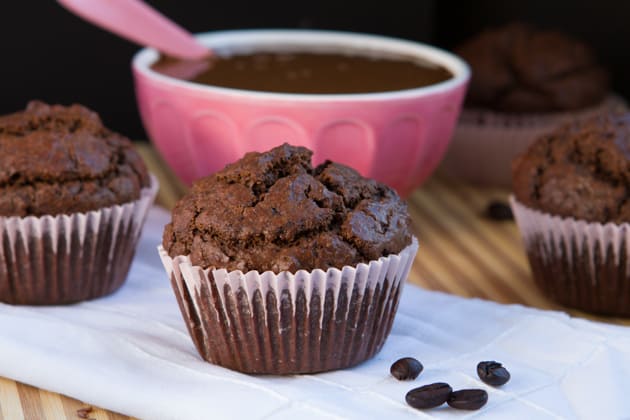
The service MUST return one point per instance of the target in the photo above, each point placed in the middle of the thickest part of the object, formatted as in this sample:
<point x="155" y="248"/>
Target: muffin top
<point x="274" y="211"/>
<point x="517" y="68"/>
<point x="581" y="170"/>
<point x="61" y="160"/>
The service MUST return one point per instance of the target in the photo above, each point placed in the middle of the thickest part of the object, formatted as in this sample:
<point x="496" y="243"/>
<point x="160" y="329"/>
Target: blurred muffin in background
<point x="74" y="196"/>
<point x="525" y="82"/>
<point x="572" y="207"/>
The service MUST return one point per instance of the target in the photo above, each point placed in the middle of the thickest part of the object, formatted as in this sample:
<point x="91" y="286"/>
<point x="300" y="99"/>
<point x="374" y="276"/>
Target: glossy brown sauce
<point x="306" y="72"/>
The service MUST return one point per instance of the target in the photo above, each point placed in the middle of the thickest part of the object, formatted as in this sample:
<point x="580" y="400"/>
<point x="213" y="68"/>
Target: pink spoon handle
<point x="138" y="22"/>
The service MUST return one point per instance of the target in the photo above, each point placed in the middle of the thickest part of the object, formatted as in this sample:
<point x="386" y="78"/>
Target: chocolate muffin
<point x="273" y="211"/>
<point x="571" y="190"/>
<point x="300" y="268"/>
<point x="518" y="68"/>
<point x="62" y="160"/>
<point x="581" y="170"/>
<point x="73" y="198"/>
<point x="525" y="82"/>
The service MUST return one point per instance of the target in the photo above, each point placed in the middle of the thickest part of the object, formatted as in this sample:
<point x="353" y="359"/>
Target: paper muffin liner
<point x="290" y="323"/>
<point x="52" y="260"/>
<point x="485" y="142"/>
<point x="583" y="265"/>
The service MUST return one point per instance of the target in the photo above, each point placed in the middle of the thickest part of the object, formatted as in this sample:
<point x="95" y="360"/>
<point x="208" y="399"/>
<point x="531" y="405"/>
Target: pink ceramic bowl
<point x="396" y="137"/>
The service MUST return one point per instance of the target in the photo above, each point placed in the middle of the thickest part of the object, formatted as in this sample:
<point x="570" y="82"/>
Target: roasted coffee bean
<point x="406" y="369"/>
<point x="429" y="396"/>
<point x="493" y="373"/>
<point x="468" y="399"/>
<point x="498" y="210"/>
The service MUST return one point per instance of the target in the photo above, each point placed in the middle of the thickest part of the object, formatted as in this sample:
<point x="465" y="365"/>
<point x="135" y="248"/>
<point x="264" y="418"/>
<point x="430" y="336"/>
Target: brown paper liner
<point x="485" y="142"/>
<point x="576" y="263"/>
<point x="52" y="260"/>
<point x="290" y="323"/>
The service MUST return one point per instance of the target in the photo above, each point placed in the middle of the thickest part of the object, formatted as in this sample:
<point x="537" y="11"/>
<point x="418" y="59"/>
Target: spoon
<point x="136" y="21"/>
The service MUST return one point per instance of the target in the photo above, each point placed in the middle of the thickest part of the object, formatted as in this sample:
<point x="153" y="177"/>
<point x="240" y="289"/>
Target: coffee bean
<point x="493" y="373"/>
<point x="406" y="369"/>
<point x="429" y="396"/>
<point x="498" y="210"/>
<point x="468" y="399"/>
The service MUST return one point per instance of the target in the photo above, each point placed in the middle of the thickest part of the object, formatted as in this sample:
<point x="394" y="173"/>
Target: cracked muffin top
<point x="274" y="211"/>
<point x="518" y="68"/>
<point x="61" y="160"/>
<point x="580" y="170"/>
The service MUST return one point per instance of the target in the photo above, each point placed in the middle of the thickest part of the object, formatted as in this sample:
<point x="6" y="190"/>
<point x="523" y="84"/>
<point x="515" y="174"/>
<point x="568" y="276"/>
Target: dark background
<point x="49" y="54"/>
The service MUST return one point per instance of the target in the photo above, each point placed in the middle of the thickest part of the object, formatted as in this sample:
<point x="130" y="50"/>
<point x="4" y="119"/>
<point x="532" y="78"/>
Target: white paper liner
<point x="578" y="263"/>
<point x="485" y="142"/>
<point x="290" y="323"/>
<point x="63" y="259"/>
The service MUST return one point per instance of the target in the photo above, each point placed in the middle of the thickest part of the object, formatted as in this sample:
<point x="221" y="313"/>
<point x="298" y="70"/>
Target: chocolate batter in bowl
<point x="313" y="72"/>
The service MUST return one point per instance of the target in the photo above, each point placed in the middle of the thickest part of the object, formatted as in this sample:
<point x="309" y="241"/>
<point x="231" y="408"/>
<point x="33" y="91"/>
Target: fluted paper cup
<point x="52" y="260"/>
<point x="290" y="323"/>
<point x="485" y="142"/>
<point x="579" y="264"/>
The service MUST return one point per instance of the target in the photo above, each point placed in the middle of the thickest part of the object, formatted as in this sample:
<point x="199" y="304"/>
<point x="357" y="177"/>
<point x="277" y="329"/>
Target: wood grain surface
<point x="461" y="252"/>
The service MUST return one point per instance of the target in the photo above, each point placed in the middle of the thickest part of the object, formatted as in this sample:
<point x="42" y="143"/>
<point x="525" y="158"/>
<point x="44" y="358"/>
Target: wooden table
<point x="461" y="252"/>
